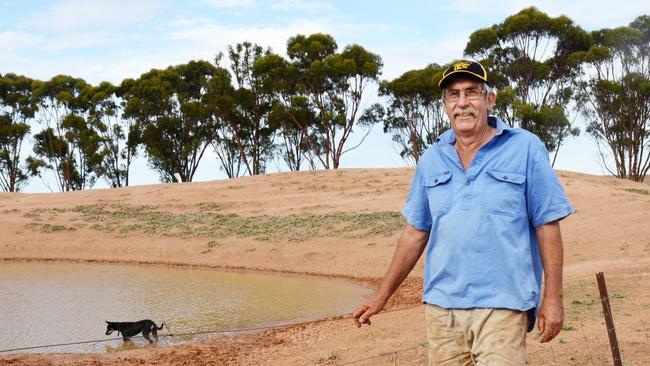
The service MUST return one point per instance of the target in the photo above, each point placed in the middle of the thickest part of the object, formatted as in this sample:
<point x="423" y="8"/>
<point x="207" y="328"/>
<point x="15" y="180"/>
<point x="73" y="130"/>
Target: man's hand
<point x="367" y="309"/>
<point x="410" y="246"/>
<point x="550" y="318"/>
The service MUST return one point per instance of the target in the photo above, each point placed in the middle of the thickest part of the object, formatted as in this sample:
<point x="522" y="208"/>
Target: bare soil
<point x="610" y="232"/>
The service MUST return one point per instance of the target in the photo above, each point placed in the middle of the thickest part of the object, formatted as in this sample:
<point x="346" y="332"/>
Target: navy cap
<point x="463" y="67"/>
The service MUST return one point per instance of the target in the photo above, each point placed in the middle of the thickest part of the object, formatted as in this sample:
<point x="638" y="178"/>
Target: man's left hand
<point x="550" y="318"/>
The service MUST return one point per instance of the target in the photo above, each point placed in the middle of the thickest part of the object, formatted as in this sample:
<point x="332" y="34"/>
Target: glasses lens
<point x="470" y="94"/>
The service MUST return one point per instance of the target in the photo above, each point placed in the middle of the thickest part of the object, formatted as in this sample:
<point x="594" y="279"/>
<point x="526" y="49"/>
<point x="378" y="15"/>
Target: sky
<point x="113" y="40"/>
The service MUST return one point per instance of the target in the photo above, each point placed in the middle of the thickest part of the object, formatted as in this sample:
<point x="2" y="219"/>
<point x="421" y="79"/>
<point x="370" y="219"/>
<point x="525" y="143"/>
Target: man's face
<point x="466" y="114"/>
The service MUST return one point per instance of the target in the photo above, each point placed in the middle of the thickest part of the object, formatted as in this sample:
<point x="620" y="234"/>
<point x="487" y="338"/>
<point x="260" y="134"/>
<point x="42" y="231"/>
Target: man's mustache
<point x="469" y="110"/>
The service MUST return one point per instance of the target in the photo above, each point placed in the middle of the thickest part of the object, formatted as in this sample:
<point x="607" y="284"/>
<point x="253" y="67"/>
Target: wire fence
<point x="577" y="344"/>
<point x="187" y="334"/>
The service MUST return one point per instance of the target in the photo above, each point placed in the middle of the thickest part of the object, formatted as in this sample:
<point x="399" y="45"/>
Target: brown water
<point x="54" y="303"/>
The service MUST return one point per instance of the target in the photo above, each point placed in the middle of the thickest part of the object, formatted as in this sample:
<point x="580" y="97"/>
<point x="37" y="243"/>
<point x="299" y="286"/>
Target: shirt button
<point x="467" y="182"/>
<point x="435" y="181"/>
<point x="505" y="177"/>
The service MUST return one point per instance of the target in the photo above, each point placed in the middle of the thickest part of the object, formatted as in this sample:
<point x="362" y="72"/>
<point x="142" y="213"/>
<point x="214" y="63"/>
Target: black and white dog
<point x="129" y="329"/>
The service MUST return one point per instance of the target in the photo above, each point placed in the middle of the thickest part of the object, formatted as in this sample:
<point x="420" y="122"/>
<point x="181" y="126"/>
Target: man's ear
<point x="491" y="101"/>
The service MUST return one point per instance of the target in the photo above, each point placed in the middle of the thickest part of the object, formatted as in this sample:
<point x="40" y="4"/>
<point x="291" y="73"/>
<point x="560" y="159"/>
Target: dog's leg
<point x="155" y="333"/>
<point x="145" y="334"/>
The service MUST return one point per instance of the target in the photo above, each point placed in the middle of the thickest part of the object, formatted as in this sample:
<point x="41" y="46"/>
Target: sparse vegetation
<point x="325" y="357"/>
<point x="638" y="191"/>
<point x="47" y="228"/>
<point x="208" y="222"/>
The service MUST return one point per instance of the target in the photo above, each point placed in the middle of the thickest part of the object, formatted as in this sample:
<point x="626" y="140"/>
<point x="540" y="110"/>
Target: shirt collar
<point x="449" y="136"/>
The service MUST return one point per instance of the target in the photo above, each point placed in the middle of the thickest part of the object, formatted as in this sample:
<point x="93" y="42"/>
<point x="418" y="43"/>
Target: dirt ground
<point x="610" y="232"/>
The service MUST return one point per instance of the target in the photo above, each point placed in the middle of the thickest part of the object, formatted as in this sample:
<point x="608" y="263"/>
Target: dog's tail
<point x="161" y="325"/>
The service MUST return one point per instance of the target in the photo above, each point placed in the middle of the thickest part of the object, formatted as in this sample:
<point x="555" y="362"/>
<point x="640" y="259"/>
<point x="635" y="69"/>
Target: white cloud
<point x="11" y="40"/>
<point x="401" y="57"/>
<point x="91" y="14"/>
<point x="207" y="35"/>
<point x="588" y="14"/>
<point x="79" y="40"/>
<point x="228" y="3"/>
<point x="301" y="5"/>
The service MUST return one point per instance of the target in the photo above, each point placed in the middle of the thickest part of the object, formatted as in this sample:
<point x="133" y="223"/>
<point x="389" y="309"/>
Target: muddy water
<point x="54" y="303"/>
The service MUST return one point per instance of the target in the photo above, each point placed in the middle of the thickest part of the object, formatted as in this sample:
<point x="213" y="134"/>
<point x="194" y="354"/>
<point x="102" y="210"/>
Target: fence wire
<point x="190" y="334"/>
<point x="550" y="353"/>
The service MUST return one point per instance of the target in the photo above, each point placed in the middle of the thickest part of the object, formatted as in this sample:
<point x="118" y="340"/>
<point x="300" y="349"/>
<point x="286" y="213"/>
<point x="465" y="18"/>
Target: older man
<point x="487" y="202"/>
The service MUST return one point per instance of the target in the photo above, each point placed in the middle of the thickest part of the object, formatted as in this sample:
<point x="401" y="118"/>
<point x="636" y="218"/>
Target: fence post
<point x="609" y="321"/>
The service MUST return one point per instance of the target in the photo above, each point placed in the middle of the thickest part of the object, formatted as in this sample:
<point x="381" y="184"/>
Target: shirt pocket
<point x="504" y="193"/>
<point x="439" y="192"/>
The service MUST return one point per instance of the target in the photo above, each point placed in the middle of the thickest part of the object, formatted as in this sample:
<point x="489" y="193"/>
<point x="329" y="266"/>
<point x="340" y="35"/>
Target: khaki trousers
<point x="482" y="337"/>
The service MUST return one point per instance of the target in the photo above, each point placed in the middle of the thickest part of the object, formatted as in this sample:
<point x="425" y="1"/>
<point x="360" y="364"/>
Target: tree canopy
<point x="616" y="99"/>
<point x="302" y="108"/>
<point x="535" y="61"/>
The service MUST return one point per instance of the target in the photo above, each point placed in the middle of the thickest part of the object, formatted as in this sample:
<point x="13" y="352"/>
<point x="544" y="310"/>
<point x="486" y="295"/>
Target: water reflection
<point x="52" y="303"/>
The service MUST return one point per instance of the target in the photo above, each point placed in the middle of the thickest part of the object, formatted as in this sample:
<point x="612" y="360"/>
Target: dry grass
<point x="207" y="221"/>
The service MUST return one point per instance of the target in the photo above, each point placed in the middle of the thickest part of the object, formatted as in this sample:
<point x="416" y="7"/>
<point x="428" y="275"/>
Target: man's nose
<point x="462" y="99"/>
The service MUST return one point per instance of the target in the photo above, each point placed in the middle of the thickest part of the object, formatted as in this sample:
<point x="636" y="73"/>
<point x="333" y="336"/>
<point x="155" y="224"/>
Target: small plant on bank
<point x="326" y="357"/>
<point x="637" y="190"/>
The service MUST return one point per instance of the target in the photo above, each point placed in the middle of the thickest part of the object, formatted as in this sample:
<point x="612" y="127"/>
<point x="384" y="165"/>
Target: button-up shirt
<point x="483" y="250"/>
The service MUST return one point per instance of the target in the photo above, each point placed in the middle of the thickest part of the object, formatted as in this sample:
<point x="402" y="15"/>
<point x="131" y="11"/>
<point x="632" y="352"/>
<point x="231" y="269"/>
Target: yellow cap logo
<point x="461" y="65"/>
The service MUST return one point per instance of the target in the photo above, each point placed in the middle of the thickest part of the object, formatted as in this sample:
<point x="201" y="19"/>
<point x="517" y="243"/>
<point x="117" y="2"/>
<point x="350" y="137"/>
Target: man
<point x="487" y="202"/>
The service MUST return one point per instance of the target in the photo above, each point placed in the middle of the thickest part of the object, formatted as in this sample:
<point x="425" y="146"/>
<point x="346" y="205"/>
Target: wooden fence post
<point x="609" y="321"/>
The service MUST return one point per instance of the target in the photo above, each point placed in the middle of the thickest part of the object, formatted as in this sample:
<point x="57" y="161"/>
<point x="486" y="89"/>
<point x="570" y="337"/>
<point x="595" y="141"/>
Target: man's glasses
<point x="453" y="95"/>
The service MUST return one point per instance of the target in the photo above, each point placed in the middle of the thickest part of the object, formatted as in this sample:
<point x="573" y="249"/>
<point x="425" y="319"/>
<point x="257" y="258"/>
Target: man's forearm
<point x="551" y="312"/>
<point x="552" y="253"/>
<point x="410" y="246"/>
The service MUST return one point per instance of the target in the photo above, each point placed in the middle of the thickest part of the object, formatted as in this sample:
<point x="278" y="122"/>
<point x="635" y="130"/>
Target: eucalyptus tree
<point x="17" y="107"/>
<point x="250" y="126"/>
<point x="172" y="108"/>
<point x="67" y="144"/>
<point x="536" y="62"/>
<point x="291" y="115"/>
<point x="120" y="136"/>
<point x="616" y="97"/>
<point x="333" y="86"/>
<point x="415" y="115"/>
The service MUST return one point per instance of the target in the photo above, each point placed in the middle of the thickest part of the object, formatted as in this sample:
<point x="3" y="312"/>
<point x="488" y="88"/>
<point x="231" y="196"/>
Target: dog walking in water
<point x="129" y="329"/>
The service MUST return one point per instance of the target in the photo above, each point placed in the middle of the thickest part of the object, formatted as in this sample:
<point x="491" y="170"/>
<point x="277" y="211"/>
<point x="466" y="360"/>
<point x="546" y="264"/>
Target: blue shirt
<point x="482" y="250"/>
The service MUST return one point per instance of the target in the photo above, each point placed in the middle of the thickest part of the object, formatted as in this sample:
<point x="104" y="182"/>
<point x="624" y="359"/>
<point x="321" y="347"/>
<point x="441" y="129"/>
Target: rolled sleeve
<point x="416" y="209"/>
<point x="547" y="201"/>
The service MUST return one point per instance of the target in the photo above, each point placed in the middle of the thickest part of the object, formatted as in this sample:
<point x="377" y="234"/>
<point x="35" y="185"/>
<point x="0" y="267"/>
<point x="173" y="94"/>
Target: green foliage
<point x="305" y="107"/>
<point x="536" y="60"/>
<point x="67" y="144"/>
<point x="415" y="114"/>
<point x="247" y="126"/>
<point x="119" y="137"/>
<point x="291" y="115"/>
<point x="17" y="106"/>
<point x="322" y="98"/>
<point x="616" y="101"/>
<point x="178" y="110"/>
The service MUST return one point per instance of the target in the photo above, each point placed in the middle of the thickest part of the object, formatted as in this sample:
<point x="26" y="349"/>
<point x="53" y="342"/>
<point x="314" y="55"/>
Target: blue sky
<point x="113" y="40"/>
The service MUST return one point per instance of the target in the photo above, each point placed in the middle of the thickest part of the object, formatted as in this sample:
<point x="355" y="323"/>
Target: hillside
<point x="334" y="223"/>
